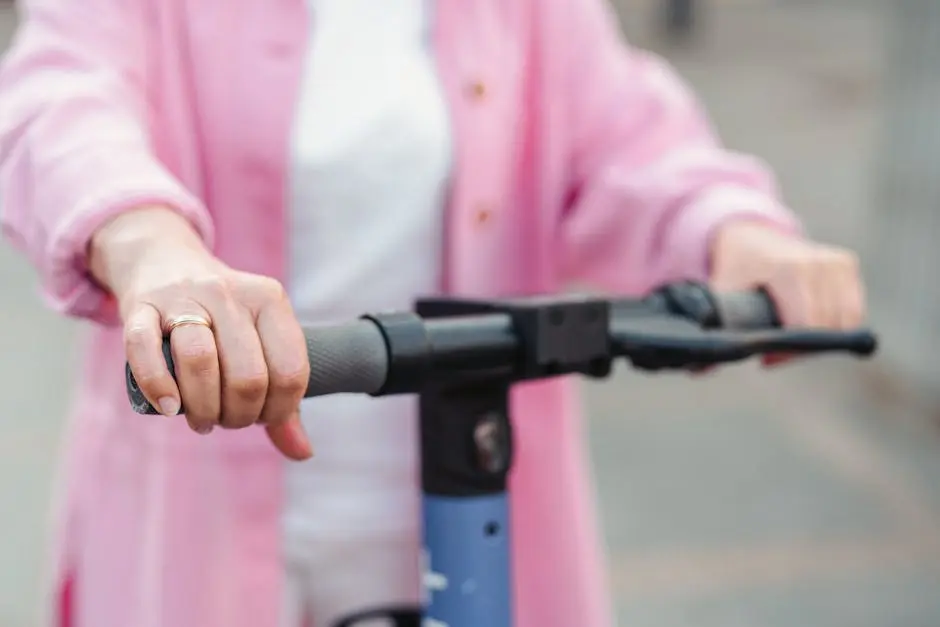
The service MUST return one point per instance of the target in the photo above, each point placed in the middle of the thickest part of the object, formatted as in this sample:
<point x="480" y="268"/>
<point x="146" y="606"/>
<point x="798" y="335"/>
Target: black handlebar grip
<point x="747" y="310"/>
<point x="347" y="358"/>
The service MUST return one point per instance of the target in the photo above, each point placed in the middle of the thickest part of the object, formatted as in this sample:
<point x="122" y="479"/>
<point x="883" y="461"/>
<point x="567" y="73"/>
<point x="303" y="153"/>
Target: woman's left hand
<point x="812" y="284"/>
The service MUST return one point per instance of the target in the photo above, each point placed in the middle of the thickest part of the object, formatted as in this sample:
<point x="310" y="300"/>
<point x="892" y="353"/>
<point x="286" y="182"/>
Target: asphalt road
<point x="744" y="498"/>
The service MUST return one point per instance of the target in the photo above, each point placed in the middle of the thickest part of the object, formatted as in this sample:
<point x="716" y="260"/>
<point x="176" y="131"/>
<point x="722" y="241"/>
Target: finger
<point x="289" y="437"/>
<point x="197" y="373"/>
<point x="244" y="374"/>
<point x="792" y="296"/>
<point x="285" y="351"/>
<point x="852" y="301"/>
<point x="826" y="285"/>
<point x="143" y="343"/>
<point x="792" y="299"/>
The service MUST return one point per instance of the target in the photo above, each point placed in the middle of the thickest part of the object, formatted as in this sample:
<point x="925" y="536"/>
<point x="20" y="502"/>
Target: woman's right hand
<point x="248" y="366"/>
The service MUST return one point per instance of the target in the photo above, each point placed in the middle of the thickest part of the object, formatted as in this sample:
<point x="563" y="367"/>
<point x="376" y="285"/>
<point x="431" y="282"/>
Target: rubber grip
<point x="747" y="310"/>
<point x="346" y="358"/>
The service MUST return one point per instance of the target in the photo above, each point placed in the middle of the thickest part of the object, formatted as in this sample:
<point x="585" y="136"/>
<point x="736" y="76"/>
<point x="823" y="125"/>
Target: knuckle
<point x="216" y="287"/>
<point x="837" y="258"/>
<point x="244" y="398"/>
<point x="277" y="289"/>
<point x="806" y="264"/>
<point x="136" y="338"/>
<point x="199" y="356"/>
<point x="249" y="389"/>
<point x="270" y="290"/>
<point x="257" y="291"/>
<point x="291" y="381"/>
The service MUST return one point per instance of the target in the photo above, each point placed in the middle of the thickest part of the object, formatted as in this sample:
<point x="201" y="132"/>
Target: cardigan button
<point x="483" y="215"/>
<point x="477" y="90"/>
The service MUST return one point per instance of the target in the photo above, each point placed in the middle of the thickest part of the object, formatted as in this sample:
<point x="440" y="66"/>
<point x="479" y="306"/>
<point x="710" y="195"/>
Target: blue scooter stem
<point x="467" y="561"/>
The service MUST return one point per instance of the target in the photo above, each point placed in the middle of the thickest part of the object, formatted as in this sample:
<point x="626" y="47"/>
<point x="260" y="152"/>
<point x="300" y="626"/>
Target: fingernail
<point x="169" y="406"/>
<point x="203" y="429"/>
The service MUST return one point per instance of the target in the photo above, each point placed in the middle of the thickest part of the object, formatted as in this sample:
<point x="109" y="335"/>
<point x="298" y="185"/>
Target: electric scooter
<point x="462" y="356"/>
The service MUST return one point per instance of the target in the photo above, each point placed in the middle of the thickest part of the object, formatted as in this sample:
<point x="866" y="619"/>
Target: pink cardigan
<point x="587" y="159"/>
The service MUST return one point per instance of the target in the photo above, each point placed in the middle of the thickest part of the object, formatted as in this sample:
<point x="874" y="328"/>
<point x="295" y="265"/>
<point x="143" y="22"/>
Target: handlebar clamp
<point x="558" y="335"/>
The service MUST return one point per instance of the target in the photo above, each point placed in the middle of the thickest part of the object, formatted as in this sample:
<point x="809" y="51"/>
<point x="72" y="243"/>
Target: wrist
<point x="118" y="249"/>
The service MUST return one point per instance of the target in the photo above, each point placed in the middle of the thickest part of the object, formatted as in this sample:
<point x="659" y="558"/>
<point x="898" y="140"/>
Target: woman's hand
<point x="812" y="285"/>
<point x="247" y="366"/>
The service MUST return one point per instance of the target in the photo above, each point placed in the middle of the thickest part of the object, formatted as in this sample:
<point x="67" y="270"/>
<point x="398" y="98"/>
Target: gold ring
<point x="186" y="319"/>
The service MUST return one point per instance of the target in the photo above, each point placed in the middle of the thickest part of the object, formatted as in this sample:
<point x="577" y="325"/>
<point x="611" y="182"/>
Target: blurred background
<point x="809" y="496"/>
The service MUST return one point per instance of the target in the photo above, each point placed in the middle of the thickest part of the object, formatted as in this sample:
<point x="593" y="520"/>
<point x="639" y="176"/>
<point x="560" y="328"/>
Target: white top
<point x="371" y="161"/>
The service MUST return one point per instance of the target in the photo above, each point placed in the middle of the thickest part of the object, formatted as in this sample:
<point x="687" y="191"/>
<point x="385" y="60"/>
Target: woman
<point x="168" y="166"/>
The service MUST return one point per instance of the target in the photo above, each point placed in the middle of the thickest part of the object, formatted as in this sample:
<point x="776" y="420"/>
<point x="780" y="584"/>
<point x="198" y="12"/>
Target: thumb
<point x="290" y="438"/>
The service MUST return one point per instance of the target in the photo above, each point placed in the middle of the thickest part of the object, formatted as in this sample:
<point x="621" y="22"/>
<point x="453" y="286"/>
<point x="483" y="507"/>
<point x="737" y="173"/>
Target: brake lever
<point x="674" y="343"/>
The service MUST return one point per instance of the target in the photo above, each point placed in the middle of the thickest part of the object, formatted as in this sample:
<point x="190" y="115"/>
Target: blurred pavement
<point x="741" y="499"/>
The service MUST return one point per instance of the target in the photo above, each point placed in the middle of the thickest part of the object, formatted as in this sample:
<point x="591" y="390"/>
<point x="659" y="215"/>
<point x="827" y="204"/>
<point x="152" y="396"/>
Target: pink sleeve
<point x="74" y="143"/>
<point x="650" y="182"/>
